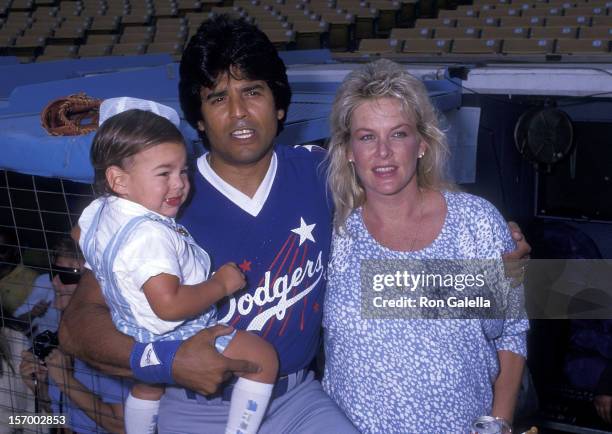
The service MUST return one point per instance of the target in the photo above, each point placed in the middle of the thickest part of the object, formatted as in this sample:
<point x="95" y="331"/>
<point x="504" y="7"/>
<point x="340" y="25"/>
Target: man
<point x="262" y="207"/>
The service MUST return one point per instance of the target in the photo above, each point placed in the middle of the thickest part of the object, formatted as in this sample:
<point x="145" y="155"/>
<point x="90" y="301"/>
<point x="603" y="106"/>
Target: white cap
<point x="113" y="106"/>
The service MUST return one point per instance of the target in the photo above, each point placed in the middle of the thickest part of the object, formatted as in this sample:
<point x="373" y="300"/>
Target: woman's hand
<point x="30" y="368"/>
<point x="59" y="366"/>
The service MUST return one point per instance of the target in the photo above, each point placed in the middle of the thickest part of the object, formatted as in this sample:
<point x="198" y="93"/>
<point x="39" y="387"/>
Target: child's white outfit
<point x="125" y="244"/>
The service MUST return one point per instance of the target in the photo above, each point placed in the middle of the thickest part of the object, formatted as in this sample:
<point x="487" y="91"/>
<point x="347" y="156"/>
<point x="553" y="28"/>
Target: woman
<point x="386" y="160"/>
<point x="92" y="402"/>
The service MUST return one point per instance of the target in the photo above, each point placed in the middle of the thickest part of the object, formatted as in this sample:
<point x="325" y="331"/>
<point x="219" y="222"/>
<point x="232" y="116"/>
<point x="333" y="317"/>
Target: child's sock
<point x="249" y="403"/>
<point x="140" y="415"/>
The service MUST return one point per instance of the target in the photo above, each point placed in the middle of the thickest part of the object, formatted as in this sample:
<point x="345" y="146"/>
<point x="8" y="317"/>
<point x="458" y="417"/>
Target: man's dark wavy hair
<point x="221" y="44"/>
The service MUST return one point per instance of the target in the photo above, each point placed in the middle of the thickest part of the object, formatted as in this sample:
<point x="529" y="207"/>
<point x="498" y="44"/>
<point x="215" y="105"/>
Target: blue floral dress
<point x="415" y="376"/>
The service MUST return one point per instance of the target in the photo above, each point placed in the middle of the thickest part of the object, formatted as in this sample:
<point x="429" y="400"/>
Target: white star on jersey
<point x="304" y="231"/>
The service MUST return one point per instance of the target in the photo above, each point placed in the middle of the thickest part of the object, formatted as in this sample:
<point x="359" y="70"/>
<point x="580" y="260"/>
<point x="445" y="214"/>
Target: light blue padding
<point x="15" y="74"/>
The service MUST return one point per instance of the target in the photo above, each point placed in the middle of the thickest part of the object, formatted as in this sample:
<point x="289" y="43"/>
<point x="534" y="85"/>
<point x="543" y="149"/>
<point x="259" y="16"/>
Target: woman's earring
<point x="422" y="154"/>
<point x="351" y="163"/>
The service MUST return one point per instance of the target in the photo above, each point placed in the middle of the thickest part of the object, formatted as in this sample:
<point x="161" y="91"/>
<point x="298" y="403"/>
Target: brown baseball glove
<point x="72" y="115"/>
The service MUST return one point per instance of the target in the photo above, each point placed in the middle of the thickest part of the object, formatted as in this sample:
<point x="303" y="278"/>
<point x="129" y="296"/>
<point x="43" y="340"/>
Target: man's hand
<point x="603" y="405"/>
<point x="516" y="261"/>
<point x="199" y="366"/>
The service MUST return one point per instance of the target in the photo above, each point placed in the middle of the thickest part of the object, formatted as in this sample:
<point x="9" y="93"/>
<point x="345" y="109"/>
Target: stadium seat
<point x="365" y="19"/>
<point x="129" y="49"/>
<point x="580" y="20"/>
<point x="527" y="46"/>
<point x="478" y="22"/>
<point x="500" y="12"/>
<point x="599" y="32"/>
<point x="107" y="39"/>
<point x="522" y="21"/>
<point x="586" y="11"/>
<point x="174" y="49"/>
<point x="566" y="32"/>
<point x="309" y="34"/>
<point x="186" y="6"/>
<point x="281" y="39"/>
<point x="135" y="38"/>
<point x="543" y="11"/>
<point x="465" y="12"/>
<point x="94" y="50"/>
<point x="402" y="34"/>
<point x="583" y="46"/>
<point x="105" y="24"/>
<point x="28" y="41"/>
<point x="136" y="19"/>
<point x="56" y="52"/>
<point x="435" y="22"/>
<point x="602" y="20"/>
<point x="456" y="32"/>
<point x="426" y="46"/>
<point x="169" y="37"/>
<point x="476" y="46"/>
<point x="505" y="32"/>
<point x="388" y="12"/>
<point x="379" y="46"/>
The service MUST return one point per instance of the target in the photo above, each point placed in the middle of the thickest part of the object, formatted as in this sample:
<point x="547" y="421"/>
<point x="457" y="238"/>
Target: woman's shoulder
<point x="469" y="203"/>
<point x="471" y="208"/>
<point x="479" y="215"/>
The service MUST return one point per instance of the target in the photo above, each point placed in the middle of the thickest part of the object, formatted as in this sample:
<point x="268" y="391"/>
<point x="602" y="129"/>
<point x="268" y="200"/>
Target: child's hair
<point x="124" y="135"/>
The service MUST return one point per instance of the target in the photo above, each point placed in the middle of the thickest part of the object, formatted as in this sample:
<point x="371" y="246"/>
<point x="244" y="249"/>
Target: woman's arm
<point x="507" y="385"/>
<point x="172" y="301"/>
<point x="107" y="416"/>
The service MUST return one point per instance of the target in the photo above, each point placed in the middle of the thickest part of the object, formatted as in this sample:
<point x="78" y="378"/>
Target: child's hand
<point x="230" y="277"/>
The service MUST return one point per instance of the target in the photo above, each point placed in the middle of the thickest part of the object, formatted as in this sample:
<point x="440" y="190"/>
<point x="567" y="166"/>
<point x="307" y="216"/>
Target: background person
<point x="15" y="397"/>
<point x="49" y="289"/>
<point x="92" y="402"/>
<point x="386" y="160"/>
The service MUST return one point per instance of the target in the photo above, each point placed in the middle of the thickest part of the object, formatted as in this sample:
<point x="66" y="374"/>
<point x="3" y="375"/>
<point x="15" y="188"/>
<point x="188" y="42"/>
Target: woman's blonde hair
<point x="381" y="79"/>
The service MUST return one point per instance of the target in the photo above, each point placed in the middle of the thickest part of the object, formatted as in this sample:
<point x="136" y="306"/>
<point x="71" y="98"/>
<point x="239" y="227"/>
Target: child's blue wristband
<point x="152" y="362"/>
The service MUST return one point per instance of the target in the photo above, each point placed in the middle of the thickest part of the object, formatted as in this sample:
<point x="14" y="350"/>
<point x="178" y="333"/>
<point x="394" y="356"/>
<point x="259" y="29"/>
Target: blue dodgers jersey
<point x="283" y="252"/>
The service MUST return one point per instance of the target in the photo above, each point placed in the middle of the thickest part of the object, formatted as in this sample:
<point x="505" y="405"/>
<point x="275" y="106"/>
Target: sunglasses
<point x="67" y="275"/>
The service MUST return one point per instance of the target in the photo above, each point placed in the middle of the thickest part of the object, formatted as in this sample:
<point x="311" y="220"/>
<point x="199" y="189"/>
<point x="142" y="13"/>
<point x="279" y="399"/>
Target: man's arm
<point x="87" y="332"/>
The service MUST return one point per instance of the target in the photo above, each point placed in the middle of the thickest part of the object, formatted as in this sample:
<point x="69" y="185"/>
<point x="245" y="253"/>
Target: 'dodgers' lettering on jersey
<point x="265" y="295"/>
